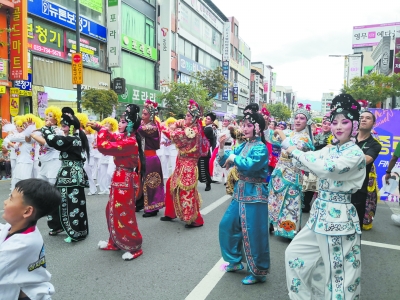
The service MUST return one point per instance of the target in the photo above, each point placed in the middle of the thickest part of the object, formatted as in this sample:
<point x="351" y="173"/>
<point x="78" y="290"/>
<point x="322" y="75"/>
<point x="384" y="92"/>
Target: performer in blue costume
<point x="285" y="187"/>
<point x="246" y="220"/>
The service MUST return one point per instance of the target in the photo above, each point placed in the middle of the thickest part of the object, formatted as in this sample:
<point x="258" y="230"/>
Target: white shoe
<point x="396" y="219"/>
<point x="91" y="194"/>
<point x="104" y="193"/>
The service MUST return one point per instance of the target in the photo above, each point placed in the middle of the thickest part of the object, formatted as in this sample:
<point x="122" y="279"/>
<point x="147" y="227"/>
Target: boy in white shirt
<point x="23" y="273"/>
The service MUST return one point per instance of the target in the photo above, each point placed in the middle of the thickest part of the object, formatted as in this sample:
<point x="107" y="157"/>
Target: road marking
<point x="207" y="284"/>
<point x="214" y="205"/>
<point x="381" y="245"/>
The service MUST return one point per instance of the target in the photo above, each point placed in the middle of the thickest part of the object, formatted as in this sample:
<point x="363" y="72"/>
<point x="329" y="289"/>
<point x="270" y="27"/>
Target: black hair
<point x="372" y="114"/>
<point x="43" y="196"/>
<point x="275" y="123"/>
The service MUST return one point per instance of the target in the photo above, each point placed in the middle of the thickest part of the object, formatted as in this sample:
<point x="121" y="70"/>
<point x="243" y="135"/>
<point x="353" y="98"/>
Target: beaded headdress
<point x="151" y="107"/>
<point x="194" y="109"/>
<point x="304" y="110"/>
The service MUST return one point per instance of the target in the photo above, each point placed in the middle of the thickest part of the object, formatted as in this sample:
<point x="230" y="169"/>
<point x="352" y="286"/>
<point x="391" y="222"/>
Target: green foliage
<point x="101" y="102"/>
<point x="279" y="111"/>
<point x="212" y="80"/>
<point x="317" y="120"/>
<point x="374" y="87"/>
<point x="177" y="99"/>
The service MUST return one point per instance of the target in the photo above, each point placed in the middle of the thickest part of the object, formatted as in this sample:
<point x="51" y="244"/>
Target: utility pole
<point x="78" y="50"/>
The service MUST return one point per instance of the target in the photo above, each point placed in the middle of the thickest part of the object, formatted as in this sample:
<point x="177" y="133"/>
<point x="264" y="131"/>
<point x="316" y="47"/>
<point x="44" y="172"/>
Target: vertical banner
<point x="14" y="101"/>
<point x="42" y="103"/>
<point x="354" y="68"/>
<point x="396" y="63"/>
<point x="114" y="33"/>
<point x="235" y="93"/>
<point x="257" y="89"/>
<point x="226" y="49"/>
<point x="225" y="72"/>
<point x="385" y="60"/>
<point x="19" y="41"/>
<point x="165" y="43"/>
<point x="346" y="71"/>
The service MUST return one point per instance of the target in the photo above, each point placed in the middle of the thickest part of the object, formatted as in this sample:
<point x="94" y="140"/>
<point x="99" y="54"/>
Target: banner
<point x="114" y="33"/>
<point x="371" y="35"/>
<point x="226" y="49"/>
<point x="396" y="63"/>
<point x="14" y="101"/>
<point x="225" y="73"/>
<point x="354" y="68"/>
<point x="19" y="41"/>
<point x="164" y="34"/>
<point x="389" y="137"/>
<point x="43" y="100"/>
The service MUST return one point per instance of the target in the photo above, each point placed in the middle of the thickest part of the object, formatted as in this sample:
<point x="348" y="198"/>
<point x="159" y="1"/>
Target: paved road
<point x="176" y="260"/>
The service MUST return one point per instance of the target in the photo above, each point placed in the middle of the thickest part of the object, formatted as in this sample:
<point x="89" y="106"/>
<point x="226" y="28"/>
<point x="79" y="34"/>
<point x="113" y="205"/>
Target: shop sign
<point x="139" y="48"/>
<point x="14" y="101"/>
<point x="3" y="69"/>
<point x="165" y="35"/>
<point x="89" y="49"/>
<point x="226" y="49"/>
<point x="96" y="5"/>
<point x="225" y="72"/>
<point x="114" y="30"/>
<point x="25" y="86"/>
<point x="138" y="95"/>
<point x="19" y="41"/>
<point x="119" y="85"/>
<point x="235" y="93"/>
<point x="3" y="89"/>
<point x="66" y="18"/>
<point x="188" y="66"/>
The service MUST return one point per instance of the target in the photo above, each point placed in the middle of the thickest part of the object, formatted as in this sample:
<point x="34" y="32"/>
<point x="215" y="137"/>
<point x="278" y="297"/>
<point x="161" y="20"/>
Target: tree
<point x="212" y="80"/>
<point x="279" y="111"/>
<point x="101" y="102"/>
<point x="374" y="87"/>
<point x="177" y="98"/>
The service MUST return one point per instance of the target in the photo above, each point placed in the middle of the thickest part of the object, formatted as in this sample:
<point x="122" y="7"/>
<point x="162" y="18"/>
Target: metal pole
<point x="78" y="50"/>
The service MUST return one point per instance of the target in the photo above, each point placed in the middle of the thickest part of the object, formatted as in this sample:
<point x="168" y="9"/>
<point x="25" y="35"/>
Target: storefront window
<point x="149" y="33"/>
<point x="91" y="9"/>
<point x="133" y="23"/>
<point x="137" y="71"/>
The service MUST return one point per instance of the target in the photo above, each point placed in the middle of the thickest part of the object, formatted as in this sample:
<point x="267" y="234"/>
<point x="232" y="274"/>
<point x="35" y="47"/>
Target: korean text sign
<point x="19" y="41"/>
<point x="14" y="101"/>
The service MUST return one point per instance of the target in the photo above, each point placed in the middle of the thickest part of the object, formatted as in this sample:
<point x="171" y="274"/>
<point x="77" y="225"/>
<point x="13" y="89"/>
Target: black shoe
<point x="271" y="228"/>
<point x="214" y="181"/>
<point x="192" y="226"/>
<point x="150" y="214"/>
<point x="138" y="208"/>
<point x="208" y="187"/>
<point x="165" y="218"/>
<point x="225" y="184"/>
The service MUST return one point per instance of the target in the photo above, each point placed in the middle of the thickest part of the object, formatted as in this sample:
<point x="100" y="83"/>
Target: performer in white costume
<point x="324" y="259"/>
<point x="220" y="173"/>
<point x="167" y="152"/>
<point x="49" y="159"/>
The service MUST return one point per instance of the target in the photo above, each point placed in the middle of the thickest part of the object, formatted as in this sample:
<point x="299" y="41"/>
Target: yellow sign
<point x="25" y="93"/>
<point x="14" y="101"/>
<point x="77" y="68"/>
<point x="2" y="89"/>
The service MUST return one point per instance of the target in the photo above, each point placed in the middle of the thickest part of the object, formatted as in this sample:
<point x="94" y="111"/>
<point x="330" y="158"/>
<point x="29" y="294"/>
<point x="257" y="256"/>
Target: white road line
<point x="214" y="205"/>
<point x="381" y="245"/>
<point x="207" y="284"/>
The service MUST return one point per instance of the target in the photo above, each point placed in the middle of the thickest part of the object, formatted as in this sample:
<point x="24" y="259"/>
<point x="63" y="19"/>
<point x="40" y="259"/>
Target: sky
<point x="297" y="37"/>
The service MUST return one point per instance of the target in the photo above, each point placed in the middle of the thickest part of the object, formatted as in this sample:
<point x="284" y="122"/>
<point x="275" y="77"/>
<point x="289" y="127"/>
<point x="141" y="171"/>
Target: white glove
<point x="29" y="130"/>
<point x="231" y="157"/>
<point x="285" y="144"/>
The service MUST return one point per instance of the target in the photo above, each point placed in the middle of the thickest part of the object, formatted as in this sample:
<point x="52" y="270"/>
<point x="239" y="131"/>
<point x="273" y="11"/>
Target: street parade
<point x="146" y="153"/>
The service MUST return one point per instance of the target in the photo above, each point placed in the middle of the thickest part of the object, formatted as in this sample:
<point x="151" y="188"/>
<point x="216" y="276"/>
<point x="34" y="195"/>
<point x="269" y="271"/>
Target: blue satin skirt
<point x="246" y="224"/>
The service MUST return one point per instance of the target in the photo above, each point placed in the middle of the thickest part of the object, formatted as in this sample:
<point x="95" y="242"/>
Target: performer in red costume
<point x="182" y="198"/>
<point x="125" y="146"/>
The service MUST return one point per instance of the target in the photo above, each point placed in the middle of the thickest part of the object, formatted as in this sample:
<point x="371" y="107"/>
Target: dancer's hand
<point x="291" y="149"/>
<point x="387" y="177"/>
<point x="222" y="139"/>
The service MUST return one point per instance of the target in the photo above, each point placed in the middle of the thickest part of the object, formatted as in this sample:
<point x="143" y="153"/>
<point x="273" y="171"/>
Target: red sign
<point x="19" y="41"/>
<point x="396" y="65"/>
<point x="77" y="57"/>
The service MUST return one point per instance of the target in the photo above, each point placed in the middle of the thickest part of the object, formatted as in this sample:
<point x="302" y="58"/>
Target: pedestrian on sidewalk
<point x="126" y="147"/>
<point x="245" y="222"/>
<point x="324" y="259"/>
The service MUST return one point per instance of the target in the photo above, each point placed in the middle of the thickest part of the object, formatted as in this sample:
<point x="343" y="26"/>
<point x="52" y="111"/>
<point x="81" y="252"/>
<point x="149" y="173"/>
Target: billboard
<point x="226" y="49"/>
<point x="354" y="68"/>
<point x="371" y="35"/>
<point x="396" y="64"/>
<point x="114" y="33"/>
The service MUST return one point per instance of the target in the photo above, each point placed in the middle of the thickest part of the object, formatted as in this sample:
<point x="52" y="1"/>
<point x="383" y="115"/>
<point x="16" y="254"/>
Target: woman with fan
<point x="72" y="180"/>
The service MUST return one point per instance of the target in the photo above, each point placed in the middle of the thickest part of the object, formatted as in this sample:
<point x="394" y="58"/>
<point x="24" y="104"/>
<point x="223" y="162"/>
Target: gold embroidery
<point x="152" y="181"/>
<point x="104" y="143"/>
<point x="119" y="147"/>
<point x="120" y="225"/>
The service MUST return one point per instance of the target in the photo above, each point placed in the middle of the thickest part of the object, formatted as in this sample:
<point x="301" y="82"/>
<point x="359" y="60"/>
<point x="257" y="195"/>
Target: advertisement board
<point x="57" y="14"/>
<point x="371" y="35"/>
<point x="138" y="95"/>
<point x="19" y="41"/>
<point x="225" y="73"/>
<point x="354" y="68"/>
<point x="43" y="100"/>
<point x="188" y="66"/>
<point x="389" y="137"/>
<point x="14" y="101"/>
<point x="226" y="47"/>
<point x="165" y="43"/>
